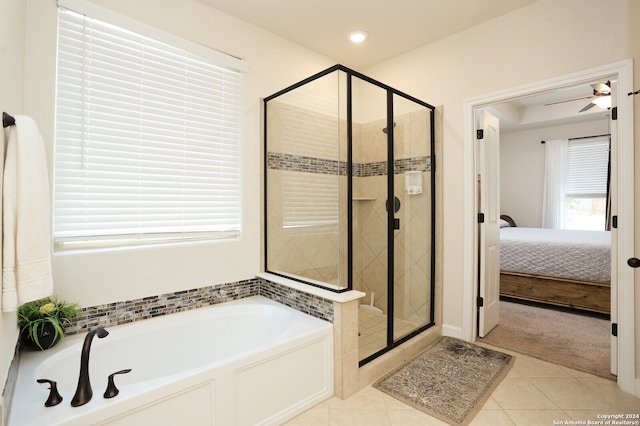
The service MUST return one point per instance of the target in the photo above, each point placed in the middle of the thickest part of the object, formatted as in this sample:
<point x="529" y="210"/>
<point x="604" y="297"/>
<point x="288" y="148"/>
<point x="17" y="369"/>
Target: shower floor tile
<point x="372" y="331"/>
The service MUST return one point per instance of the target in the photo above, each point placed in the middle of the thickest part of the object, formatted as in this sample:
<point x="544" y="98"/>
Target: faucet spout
<point x="83" y="391"/>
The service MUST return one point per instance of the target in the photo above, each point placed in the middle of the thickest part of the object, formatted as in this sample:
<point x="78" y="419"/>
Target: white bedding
<point x="580" y="255"/>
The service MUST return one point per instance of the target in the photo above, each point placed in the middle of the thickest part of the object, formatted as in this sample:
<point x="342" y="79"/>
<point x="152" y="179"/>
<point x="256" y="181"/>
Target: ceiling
<point x="394" y="26"/>
<point x="398" y="26"/>
<point x="553" y="108"/>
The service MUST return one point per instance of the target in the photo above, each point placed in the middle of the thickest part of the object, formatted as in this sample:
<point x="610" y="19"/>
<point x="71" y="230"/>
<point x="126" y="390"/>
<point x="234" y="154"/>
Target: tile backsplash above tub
<point x="118" y="313"/>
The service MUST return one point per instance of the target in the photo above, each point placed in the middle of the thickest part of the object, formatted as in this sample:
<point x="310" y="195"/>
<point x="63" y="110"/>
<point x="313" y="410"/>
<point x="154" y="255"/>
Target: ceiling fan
<point x="601" y="97"/>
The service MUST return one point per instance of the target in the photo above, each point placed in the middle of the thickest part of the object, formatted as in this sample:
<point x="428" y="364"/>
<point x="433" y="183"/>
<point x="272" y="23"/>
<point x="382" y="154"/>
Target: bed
<point x="556" y="266"/>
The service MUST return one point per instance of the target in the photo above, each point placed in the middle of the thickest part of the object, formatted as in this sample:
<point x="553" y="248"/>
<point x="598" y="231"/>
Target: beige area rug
<point x="450" y="380"/>
<point x="573" y="340"/>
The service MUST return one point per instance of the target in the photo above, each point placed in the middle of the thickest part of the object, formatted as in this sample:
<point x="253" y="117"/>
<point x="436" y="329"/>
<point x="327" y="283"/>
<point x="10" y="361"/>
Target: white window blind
<point x="311" y="193"/>
<point x="310" y="199"/>
<point x="147" y="144"/>
<point x="587" y="166"/>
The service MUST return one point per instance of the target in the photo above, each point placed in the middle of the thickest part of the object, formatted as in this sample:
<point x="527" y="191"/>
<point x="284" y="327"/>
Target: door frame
<point x="623" y="72"/>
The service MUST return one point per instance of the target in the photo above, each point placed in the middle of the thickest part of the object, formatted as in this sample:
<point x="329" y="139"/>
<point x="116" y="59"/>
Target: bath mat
<point x="450" y="380"/>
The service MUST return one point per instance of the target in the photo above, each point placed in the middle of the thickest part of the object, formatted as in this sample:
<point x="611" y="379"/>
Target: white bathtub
<point x="251" y="361"/>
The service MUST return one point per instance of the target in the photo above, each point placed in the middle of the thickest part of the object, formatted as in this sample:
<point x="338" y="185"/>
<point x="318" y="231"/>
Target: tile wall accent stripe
<point x="297" y="163"/>
<point x="415" y="164"/>
<point x="300" y="163"/>
<point x="118" y="313"/>
<point x="304" y="302"/>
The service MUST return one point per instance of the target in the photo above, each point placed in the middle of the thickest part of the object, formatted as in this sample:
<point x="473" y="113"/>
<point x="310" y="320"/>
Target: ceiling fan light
<point x="603" y="102"/>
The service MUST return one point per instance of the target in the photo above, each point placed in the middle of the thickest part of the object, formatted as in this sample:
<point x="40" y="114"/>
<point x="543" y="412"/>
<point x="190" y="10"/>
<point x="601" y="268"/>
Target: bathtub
<point x="246" y="362"/>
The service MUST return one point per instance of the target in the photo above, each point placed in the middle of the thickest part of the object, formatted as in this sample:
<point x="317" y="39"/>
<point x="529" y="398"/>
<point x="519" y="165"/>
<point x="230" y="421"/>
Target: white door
<point x="613" y="193"/>
<point x="489" y="226"/>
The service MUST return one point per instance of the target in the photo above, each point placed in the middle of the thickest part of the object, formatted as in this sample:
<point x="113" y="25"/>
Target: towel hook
<point x="7" y="120"/>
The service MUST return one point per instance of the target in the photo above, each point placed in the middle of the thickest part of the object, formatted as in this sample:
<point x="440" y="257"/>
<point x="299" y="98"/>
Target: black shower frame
<point x="390" y="194"/>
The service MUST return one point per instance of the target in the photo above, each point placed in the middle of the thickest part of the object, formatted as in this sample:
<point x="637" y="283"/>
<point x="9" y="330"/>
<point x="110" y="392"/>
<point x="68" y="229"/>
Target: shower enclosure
<point x="350" y="199"/>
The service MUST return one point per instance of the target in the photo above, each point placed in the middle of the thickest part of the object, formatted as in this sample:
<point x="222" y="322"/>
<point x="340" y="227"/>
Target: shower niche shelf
<point x="364" y="198"/>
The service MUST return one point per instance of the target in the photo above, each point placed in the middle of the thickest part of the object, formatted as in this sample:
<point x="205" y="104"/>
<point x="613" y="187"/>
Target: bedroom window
<point x="147" y="142"/>
<point x="586" y="183"/>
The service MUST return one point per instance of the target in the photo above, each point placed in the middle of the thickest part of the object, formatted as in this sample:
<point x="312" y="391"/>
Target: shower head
<point x="386" y="129"/>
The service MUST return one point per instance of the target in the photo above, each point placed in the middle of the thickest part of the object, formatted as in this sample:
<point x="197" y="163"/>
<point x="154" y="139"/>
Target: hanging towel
<point x="26" y="218"/>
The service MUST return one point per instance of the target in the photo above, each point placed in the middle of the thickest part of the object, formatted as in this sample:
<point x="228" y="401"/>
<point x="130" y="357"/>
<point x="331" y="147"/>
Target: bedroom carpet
<point x="572" y="340"/>
<point x="450" y="380"/>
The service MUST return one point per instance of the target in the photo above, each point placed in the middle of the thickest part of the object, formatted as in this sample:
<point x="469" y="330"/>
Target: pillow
<point x="504" y="223"/>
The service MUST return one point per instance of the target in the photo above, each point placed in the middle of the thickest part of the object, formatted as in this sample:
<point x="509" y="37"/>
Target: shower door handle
<point x="396" y="223"/>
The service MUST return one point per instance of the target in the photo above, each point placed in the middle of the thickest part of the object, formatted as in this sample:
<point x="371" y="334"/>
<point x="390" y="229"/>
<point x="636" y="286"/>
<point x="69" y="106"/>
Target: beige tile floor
<point x="533" y="393"/>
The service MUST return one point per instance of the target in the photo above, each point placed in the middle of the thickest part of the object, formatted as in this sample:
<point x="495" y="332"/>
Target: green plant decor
<point x="45" y="316"/>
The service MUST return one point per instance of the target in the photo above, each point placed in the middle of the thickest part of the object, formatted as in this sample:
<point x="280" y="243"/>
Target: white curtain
<point x="553" y="205"/>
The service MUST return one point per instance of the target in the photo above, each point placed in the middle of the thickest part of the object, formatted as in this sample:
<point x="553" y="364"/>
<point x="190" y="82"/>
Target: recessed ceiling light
<point x="358" y="36"/>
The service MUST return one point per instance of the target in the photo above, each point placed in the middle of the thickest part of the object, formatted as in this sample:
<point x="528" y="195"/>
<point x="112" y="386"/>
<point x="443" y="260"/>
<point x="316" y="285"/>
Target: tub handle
<point x="112" y="390"/>
<point x="54" y="396"/>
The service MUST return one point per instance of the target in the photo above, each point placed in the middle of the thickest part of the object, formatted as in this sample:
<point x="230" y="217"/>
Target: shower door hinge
<point x="480" y="134"/>
<point x="480" y="217"/>
<point x="614" y="113"/>
<point x="614" y="329"/>
<point x="480" y="302"/>
<point x="614" y="222"/>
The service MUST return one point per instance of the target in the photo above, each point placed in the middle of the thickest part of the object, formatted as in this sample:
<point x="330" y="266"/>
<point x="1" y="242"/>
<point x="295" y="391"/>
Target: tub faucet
<point x="83" y="391"/>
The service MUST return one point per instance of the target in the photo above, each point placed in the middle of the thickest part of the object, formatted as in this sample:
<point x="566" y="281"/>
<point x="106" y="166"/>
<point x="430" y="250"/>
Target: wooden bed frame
<point x="566" y="292"/>
<point x="586" y="295"/>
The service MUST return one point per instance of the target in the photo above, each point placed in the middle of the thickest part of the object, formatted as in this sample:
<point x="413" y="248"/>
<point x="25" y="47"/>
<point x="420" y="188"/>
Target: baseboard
<point x="452" y="331"/>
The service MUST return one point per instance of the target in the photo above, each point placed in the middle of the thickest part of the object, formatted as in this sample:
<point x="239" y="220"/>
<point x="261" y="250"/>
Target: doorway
<point x="530" y="306"/>
<point x="622" y="309"/>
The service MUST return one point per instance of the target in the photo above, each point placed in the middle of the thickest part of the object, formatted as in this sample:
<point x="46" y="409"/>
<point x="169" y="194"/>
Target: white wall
<point x="545" y="39"/>
<point x="522" y="158"/>
<point x="11" y="78"/>
<point x="274" y="63"/>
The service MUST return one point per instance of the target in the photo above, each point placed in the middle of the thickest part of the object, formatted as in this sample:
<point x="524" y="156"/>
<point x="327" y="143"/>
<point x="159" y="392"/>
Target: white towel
<point x="26" y="214"/>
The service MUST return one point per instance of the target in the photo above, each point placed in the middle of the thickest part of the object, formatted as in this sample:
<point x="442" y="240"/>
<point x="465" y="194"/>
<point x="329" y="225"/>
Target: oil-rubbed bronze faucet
<point x="84" y="391"/>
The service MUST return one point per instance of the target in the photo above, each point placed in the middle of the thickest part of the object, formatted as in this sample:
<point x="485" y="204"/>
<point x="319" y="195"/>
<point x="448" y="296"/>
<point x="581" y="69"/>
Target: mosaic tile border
<point x="304" y="302"/>
<point x="299" y="163"/>
<point x="118" y="313"/>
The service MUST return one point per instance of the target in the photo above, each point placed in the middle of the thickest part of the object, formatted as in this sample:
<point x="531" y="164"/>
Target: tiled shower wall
<point x="306" y="147"/>
<point x="412" y="255"/>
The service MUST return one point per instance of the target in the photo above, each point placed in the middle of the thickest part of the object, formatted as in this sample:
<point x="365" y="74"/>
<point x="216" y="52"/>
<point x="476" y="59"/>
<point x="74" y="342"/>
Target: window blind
<point x="310" y="189"/>
<point x="587" y="167"/>
<point x="147" y="142"/>
<point x="310" y="199"/>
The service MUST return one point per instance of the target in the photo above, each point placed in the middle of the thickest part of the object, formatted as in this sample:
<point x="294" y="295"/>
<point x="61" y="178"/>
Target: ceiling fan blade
<point x="568" y="100"/>
<point x="587" y="107"/>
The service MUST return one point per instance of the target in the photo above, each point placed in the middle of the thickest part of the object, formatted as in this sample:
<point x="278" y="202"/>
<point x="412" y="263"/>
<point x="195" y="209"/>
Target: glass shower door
<point x="369" y="218"/>
<point x="412" y="240"/>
